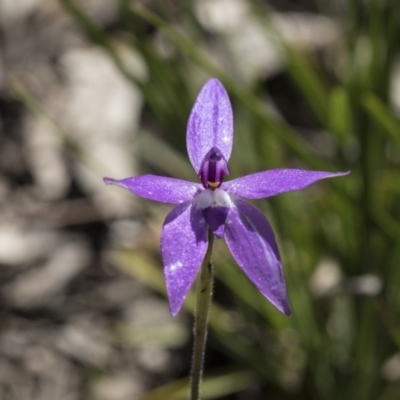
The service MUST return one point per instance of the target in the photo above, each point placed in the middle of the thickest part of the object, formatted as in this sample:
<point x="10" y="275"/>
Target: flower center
<point x="213" y="168"/>
<point x="214" y="205"/>
<point x="212" y="198"/>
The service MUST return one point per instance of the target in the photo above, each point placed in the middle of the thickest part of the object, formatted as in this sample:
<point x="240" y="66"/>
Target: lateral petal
<point x="251" y="241"/>
<point x="210" y="123"/>
<point x="275" y="181"/>
<point x="183" y="247"/>
<point x="158" y="188"/>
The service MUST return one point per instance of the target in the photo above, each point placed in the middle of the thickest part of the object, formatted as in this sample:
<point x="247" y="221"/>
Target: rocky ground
<point x="63" y="305"/>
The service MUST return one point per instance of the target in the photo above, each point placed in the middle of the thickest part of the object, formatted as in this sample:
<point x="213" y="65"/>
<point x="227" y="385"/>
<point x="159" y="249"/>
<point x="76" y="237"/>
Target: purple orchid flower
<point x="218" y="205"/>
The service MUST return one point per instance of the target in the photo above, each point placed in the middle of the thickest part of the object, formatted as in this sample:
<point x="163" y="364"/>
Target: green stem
<point x="203" y="302"/>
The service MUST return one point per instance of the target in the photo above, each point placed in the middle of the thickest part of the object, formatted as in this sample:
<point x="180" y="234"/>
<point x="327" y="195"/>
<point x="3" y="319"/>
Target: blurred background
<point x="95" y="88"/>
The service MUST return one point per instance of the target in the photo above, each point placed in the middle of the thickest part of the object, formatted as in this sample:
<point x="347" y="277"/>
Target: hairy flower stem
<point x="203" y="302"/>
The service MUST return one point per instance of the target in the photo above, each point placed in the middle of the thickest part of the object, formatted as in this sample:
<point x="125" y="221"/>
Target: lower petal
<point x="183" y="247"/>
<point x="252" y="243"/>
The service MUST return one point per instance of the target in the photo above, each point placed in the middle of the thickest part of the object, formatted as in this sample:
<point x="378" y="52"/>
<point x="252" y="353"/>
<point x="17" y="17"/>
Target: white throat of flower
<point x="212" y="198"/>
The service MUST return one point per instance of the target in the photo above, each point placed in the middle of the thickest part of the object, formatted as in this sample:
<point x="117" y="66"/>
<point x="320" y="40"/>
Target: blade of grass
<point x="381" y="113"/>
<point x="215" y="385"/>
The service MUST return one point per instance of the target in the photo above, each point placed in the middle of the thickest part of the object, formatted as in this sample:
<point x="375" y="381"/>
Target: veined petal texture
<point x="183" y="247"/>
<point x="251" y="241"/>
<point x="158" y="188"/>
<point x="275" y="181"/>
<point x="210" y="123"/>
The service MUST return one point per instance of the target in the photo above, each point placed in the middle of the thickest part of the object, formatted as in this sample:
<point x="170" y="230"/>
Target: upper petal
<point x="158" y="188"/>
<point x="183" y="247"/>
<point x="252" y="243"/>
<point x="275" y="181"/>
<point x="210" y="123"/>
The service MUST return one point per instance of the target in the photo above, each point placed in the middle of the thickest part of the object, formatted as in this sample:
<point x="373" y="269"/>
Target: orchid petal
<point x="252" y="243"/>
<point x="183" y="247"/>
<point x="158" y="188"/>
<point x="210" y="123"/>
<point x="215" y="218"/>
<point x="275" y="181"/>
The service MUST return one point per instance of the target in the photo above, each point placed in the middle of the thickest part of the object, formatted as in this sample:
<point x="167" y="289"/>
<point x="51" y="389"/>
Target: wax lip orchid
<point x="218" y="205"/>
